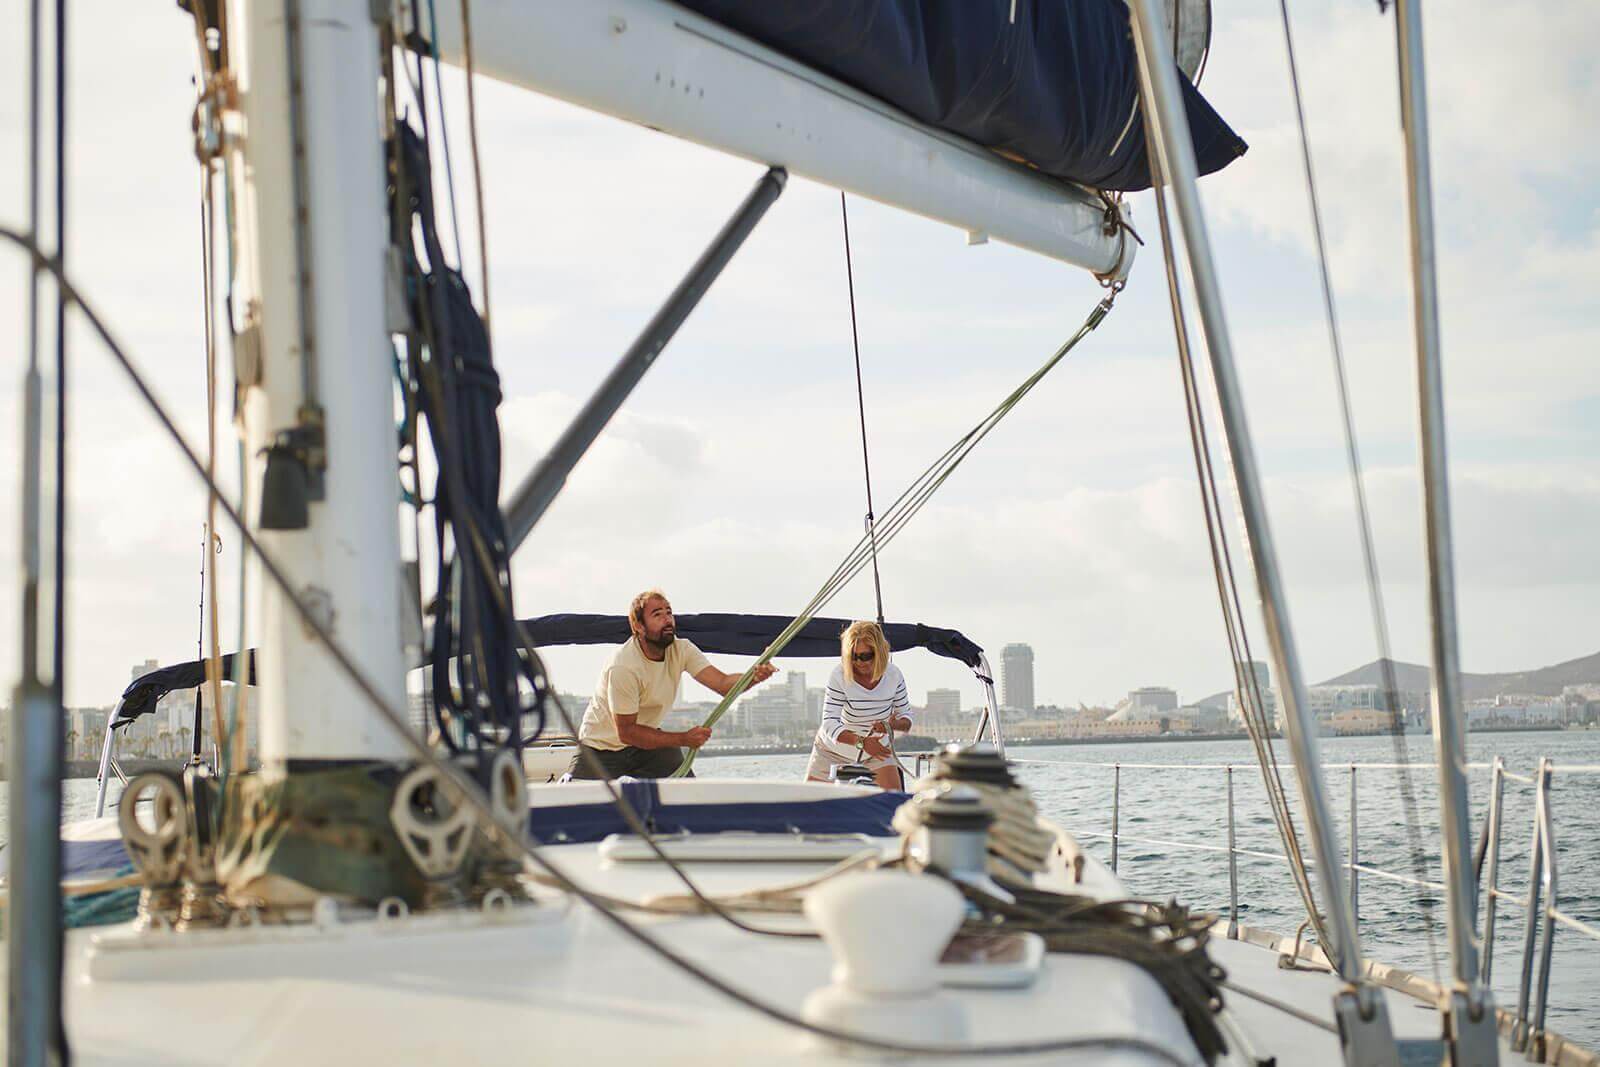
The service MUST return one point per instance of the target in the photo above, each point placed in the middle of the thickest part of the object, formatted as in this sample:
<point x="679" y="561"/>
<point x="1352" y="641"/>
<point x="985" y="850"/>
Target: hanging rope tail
<point x="861" y="408"/>
<point x="902" y="511"/>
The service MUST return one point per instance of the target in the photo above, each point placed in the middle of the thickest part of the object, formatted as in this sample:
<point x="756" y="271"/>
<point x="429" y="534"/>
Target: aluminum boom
<point x="653" y="63"/>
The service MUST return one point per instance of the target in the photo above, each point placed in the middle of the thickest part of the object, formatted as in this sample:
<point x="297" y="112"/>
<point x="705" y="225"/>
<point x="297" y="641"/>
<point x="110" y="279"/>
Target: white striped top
<point x="848" y="705"/>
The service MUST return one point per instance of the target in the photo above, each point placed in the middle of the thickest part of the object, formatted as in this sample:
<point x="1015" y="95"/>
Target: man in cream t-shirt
<point x="622" y="726"/>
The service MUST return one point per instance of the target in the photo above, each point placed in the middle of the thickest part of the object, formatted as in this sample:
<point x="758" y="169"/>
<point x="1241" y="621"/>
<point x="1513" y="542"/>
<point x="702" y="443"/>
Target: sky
<point x="732" y="477"/>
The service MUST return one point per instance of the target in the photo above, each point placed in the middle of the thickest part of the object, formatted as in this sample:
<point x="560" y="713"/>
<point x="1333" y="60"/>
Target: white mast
<point x="314" y="223"/>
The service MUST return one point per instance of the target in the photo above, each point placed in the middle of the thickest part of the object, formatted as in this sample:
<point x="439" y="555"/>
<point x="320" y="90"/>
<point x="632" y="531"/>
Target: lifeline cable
<point x="478" y="800"/>
<point x="904" y="509"/>
<point x="861" y="406"/>
<point x="1369" y="552"/>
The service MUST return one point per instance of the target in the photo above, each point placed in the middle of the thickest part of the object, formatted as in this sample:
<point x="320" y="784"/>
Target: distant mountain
<point x="1545" y="681"/>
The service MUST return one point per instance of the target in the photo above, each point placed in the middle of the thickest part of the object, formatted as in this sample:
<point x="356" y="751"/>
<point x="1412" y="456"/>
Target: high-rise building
<point x="142" y="669"/>
<point x="795" y="682"/>
<point x="1016" y="677"/>
<point x="1263" y="674"/>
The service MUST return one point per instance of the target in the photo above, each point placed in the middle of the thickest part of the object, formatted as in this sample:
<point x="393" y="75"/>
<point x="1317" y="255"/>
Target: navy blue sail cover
<point x="718" y="632"/>
<point x="1057" y="88"/>
<point x="749" y="635"/>
<point x="570" y="824"/>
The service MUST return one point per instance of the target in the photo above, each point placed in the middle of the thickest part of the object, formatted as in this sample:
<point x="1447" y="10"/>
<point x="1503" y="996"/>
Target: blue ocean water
<point x="1182" y="803"/>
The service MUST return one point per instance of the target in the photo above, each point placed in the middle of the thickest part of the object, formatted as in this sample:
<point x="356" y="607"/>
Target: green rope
<point x="900" y="512"/>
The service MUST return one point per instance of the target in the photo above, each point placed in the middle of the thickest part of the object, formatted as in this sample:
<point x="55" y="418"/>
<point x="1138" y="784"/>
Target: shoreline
<point x="1139" y="739"/>
<point x="76" y="769"/>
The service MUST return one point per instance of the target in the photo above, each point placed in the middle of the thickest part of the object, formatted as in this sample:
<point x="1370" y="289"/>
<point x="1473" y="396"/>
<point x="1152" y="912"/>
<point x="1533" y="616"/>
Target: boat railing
<point x="1541" y="909"/>
<point x="989" y="720"/>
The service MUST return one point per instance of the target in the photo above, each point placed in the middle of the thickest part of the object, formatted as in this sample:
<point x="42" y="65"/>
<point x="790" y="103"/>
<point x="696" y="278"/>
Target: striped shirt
<point x="848" y="705"/>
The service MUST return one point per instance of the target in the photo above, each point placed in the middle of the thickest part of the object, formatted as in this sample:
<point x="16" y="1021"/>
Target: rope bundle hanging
<point x="903" y="510"/>
<point x="478" y="705"/>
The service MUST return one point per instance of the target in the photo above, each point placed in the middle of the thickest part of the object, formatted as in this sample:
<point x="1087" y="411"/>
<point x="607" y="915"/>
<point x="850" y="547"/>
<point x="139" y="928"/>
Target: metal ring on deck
<point x="433" y="822"/>
<point x="157" y="853"/>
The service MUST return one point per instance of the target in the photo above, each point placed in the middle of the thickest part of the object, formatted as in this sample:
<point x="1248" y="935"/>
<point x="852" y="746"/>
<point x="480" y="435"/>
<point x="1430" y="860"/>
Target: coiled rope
<point x="903" y="510"/>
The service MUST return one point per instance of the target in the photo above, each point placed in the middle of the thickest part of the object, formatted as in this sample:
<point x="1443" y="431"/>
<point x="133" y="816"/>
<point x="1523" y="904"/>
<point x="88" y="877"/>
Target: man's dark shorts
<point x="634" y="762"/>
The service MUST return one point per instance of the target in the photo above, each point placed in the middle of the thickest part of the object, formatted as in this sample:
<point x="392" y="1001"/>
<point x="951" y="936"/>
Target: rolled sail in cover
<point x="1057" y="88"/>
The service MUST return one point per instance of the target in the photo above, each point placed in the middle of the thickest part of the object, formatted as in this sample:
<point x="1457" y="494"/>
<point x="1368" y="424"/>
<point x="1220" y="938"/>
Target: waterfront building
<point x="1016" y="677"/>
<point x="944" y="705"/>
<point x="1153" y="698"/>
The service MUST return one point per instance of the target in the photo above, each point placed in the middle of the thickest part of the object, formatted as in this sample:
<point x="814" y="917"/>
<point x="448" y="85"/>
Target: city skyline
<point x="1076" y="525"/>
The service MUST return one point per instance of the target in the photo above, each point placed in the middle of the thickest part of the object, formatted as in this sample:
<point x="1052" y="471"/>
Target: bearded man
<point x="622" y="726"/>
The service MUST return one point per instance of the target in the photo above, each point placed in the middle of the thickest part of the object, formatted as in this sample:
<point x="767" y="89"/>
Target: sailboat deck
<point x="559" y="981"/>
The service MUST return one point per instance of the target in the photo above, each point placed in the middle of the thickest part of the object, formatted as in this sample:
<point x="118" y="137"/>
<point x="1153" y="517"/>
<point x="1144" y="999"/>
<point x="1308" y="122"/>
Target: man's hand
<point x="875" y="748"/>
<point x="696" y="736"/>
<point x="763" y="672"/>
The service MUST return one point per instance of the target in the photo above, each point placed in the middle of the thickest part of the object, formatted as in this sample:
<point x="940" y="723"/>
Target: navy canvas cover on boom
<point x="1057" y="88"/>
<point x="716" y="632"/>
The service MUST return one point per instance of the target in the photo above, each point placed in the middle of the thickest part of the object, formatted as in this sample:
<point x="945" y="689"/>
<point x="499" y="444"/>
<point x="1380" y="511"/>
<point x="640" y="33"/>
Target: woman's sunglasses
<point x="863" y="657"/>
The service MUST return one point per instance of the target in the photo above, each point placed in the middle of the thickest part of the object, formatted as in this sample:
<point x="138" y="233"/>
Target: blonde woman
<point x="865" y="703"/>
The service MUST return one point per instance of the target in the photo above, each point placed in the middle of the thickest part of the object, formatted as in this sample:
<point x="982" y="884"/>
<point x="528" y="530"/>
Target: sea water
<point x="1183" y="802"/>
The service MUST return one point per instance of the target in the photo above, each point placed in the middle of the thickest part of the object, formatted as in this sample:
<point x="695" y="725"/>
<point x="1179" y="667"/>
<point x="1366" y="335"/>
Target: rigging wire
<point x="905" y="508"/>
<point x="59" y="624"/>
<point x="444" y="129"/>
<point x="1369" y="553"/>
<point x="477" y="166"/>
<point x="1252" y="705"/>
<point x="1247" y="684"/>
<point x="511" y="836"/>
<point x="861" y="406"/>
<point x="213" y="546"/>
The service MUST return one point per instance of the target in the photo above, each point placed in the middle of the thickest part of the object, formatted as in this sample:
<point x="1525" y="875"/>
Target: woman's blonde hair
<point x="872" y="633"/>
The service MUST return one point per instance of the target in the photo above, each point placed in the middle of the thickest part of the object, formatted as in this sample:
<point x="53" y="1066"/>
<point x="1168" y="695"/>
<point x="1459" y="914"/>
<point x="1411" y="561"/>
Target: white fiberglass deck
<point x="558" y="981"/>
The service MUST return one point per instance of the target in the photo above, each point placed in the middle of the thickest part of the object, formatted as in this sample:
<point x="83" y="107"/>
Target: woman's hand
<point x="875" y="748"/>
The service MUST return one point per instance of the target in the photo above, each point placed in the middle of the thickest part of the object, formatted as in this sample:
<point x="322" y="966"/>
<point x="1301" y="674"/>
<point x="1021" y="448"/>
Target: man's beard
<point x="662" y="641"/>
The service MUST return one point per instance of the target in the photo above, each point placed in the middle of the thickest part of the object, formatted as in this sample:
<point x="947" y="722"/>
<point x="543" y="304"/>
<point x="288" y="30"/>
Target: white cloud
<point x="732" y="476"/>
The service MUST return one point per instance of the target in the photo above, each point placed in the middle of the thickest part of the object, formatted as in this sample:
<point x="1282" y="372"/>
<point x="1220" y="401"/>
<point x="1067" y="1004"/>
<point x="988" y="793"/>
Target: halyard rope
<point x="902" y="511"/>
